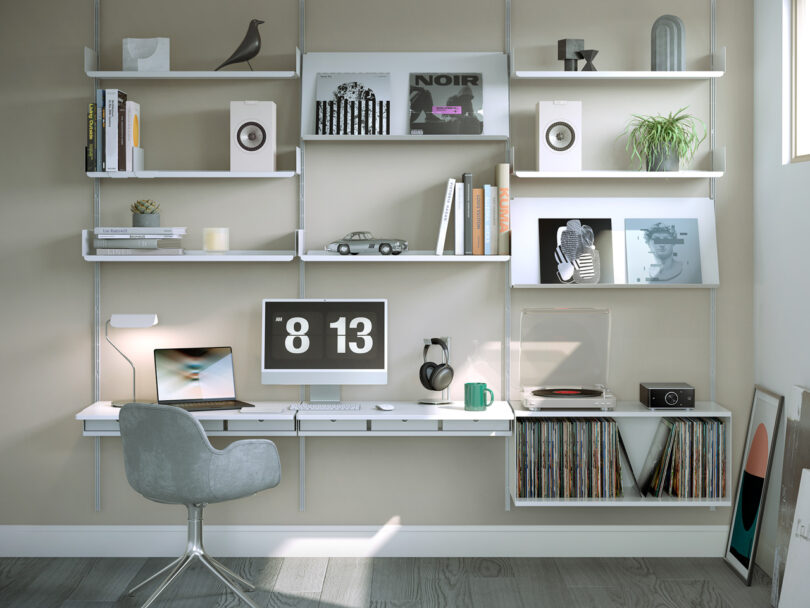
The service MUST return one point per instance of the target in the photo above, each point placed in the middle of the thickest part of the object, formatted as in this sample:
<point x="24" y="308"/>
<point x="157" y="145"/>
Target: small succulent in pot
<point x="660" y="143"/>
<point x="145" y="212"/>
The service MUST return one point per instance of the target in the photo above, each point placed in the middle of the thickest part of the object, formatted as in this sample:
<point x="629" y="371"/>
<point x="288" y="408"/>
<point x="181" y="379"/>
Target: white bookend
<point x="133" y="135"/>
<point x="111" y="129"/>
<point x="447" y="207"/>
<point x="459" y="218"/>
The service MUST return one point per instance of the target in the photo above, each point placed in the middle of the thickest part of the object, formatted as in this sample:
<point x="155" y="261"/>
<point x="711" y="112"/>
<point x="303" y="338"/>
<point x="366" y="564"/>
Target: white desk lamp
<point x="129" y="322"/>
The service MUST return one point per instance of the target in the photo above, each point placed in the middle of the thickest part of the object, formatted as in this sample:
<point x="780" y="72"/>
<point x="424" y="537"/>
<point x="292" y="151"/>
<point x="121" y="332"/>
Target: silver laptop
<point x="197" y="379"/>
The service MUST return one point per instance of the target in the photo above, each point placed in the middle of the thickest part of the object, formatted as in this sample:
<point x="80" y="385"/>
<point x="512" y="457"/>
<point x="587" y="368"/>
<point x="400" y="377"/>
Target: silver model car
<point x="364" y="242"/>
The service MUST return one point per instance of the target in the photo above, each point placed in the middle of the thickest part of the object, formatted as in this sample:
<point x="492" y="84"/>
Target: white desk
<point x="275" y="419"/>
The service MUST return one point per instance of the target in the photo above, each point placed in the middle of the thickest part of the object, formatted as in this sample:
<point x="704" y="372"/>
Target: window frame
<point x="795" y="156"/>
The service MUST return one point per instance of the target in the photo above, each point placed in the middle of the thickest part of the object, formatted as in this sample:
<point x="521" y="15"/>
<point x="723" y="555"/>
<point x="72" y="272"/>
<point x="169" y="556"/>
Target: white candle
<point x="215" y="239"/>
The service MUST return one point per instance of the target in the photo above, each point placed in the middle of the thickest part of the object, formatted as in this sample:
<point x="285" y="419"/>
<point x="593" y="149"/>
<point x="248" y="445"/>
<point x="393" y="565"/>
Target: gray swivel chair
<point x="169" y="459"/>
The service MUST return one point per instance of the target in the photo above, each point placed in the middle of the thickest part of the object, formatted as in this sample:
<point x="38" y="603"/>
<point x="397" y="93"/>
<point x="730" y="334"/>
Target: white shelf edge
<point x="627" y="409"/>
<point x="628" y="501"/>
<point x="90" y="70"/>
<point x="610" y="174"/>
<point x="407" y="256"/>
<point x="377" y="138"/>
<point x="195" y="174"/>
<point x="192" y="255"/>
<point x="616" y="286"/>
<point x="617" y="75"/>
<point x="405" y="434"/>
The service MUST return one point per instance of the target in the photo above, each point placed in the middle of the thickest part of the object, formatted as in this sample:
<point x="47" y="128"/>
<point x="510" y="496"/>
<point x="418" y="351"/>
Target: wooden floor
<point x="390" y="583"/>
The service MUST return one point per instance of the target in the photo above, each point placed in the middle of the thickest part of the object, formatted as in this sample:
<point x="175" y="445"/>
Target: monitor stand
<point x="329" y="393"/>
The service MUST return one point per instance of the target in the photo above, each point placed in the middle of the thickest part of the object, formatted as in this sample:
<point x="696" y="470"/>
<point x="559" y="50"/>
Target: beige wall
<point x="46" y="467"/>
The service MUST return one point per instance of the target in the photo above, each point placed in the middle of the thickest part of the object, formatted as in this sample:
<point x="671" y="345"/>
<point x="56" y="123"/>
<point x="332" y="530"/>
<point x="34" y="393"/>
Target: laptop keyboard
<point x="325" y="407"/>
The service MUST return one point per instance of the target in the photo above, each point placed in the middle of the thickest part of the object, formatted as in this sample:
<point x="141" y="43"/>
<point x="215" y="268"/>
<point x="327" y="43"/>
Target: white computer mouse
<point x="386" y="407"/>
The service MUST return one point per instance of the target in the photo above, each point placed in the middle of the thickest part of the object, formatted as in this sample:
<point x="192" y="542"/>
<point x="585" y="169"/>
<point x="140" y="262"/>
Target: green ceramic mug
<point x="475" y="396"/>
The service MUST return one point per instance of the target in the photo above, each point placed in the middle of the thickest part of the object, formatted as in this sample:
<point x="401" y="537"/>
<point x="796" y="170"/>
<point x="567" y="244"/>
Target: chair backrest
<point x="167" y="456"/>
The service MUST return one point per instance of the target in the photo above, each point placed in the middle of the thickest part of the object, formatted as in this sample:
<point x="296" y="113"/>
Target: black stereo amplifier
<point x="663" y="395"/>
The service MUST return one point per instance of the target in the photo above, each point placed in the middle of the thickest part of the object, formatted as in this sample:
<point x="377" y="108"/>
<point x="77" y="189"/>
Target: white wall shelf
<point x="193" y="255"/>
<point x="191" y="174"/>
<point x="618" y="174"/>
<point x="404" y="138"/>
<point x="407" y="256"/>
<point x="717" y="71"/>
<point x="91" y="61"/>
<point x="616" y="286"/>
<point x="626" y="409"/>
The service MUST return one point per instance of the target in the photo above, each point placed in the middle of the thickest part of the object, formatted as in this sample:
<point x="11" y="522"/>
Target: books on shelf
<point x="114" y="132"/>
<point x="478" y="221"/>
<point x="446" y="209"/>
<point x="126" y="240"/>
<point x="458" y="211"/>
<point x="90" y="149"/>
<point x="502" y="183"/>
<point x="568" y="458"/>
<point x="115" y="112"/>
<point x="467" y="179"/>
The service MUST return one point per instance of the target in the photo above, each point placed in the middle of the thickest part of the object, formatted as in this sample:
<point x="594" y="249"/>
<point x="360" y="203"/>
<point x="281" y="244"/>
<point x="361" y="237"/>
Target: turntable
<point x="564" y="359"/>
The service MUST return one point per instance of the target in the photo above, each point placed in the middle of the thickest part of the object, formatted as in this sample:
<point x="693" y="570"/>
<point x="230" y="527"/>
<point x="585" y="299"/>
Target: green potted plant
<point x="145" y="212"/>
<point x="660" y="143"/>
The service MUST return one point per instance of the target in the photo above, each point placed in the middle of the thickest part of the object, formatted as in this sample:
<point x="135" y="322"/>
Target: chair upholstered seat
<point x="168" y="459"/>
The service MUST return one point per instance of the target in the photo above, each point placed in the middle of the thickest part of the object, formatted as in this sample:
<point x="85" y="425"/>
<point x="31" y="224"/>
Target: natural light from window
<point x="801" y="80"/>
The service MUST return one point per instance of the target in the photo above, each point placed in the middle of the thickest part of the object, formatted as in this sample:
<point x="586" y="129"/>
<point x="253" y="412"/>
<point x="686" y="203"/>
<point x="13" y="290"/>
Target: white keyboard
<point x="325" y="407"/>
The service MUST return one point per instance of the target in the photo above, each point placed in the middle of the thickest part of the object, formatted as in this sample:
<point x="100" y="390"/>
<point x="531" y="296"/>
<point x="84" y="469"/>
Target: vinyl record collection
<point x="692" y="463"/>
<point x="568" y="458"/>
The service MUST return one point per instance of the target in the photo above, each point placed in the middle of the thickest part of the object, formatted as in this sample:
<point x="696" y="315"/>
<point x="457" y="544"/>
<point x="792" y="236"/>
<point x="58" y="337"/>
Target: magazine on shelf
<point x="353" y="103"/>
<point x="662" y="250"/>
<point x="576" y="250"/>
<point x="446" y="103"/>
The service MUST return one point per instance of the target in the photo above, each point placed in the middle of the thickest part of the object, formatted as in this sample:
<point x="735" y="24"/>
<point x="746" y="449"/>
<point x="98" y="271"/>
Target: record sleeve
<point x="446" y="103"/>
<point x="353" y="103"/>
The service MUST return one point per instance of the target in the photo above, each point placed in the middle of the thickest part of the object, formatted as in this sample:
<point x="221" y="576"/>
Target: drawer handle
<point x="333" y="420"/>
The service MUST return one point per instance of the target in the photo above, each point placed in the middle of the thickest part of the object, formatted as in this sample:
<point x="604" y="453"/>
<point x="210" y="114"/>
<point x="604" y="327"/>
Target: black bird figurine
<point x="249" y="47"/>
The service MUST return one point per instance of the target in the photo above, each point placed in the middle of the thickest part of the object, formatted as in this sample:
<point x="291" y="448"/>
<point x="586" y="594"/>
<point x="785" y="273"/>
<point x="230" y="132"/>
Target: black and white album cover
<point x="353" y="104"/>
<point x="576" y="250"/>
<point x="446" y="103"/>
<point x="662" y="250"/>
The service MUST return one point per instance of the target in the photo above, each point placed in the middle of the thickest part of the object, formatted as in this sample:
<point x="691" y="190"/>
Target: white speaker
<point x="253" y="136"/>
<point x="559" y="136"/>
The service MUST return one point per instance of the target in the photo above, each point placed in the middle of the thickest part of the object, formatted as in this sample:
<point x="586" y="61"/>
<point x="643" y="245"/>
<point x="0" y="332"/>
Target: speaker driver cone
<point x="251" y="136"/>
<point x="560" y="136"/>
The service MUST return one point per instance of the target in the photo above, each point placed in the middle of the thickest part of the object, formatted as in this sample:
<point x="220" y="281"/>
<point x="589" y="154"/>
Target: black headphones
<point x="436" y="376"/>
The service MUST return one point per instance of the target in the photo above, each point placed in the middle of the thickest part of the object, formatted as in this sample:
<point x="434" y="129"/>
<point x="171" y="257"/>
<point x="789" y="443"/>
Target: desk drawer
<point x="332" y="425"/>
<point x="101" y="425"/>
<point x="475" y="425"/>
<point x="397" y="424"/>
<point x="213" y="425"/>
<point x="261" y="425"/>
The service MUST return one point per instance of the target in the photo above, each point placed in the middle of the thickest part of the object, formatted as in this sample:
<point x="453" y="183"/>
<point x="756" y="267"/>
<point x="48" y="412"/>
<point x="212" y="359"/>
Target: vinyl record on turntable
<point x="567" y="393"/>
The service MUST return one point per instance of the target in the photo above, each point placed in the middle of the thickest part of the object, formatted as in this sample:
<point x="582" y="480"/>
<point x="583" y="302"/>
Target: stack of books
<point x="125" y="240"/>
<point x="113" y="132"/>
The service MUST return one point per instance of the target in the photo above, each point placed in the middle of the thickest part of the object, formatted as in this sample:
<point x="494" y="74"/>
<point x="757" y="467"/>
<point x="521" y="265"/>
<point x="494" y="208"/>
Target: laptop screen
<point x="194" y="374"/>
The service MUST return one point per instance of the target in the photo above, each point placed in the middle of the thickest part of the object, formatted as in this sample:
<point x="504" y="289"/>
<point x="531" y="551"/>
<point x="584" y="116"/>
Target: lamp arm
<point x="132" y="365"/>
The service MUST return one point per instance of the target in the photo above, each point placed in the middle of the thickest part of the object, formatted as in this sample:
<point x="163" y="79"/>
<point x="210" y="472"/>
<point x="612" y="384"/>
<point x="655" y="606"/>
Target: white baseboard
<point x="367" y="541"/>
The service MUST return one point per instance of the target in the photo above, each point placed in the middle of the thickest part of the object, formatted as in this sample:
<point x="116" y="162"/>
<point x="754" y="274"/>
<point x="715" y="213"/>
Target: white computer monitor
<point x="324" y="342"/>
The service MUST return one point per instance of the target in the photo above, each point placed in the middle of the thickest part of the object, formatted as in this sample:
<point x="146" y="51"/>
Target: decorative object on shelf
<point x="446" y="103"/>
<point x="796" y="458"/>
<point x="436" y="376"/>
<point x="588" y="56"/>
<point x="668" y="46"/>
<point x="353" y="103"/>
<point x="253" y="136"/>
<point x="145" y="213"/>
<point x="567" y="50"/>
<point x="249" y="47"/>
<point x="662" y="250"/>
<point x="661" y="143"/>
<point x="127" y="321"/>
<point x="752" y="486"/>
<point x="569" y="251"/>
<point x="145" y="55"/>
<point x="475" y="399"/>
<point x="216" y="239"/>
<point x="559" y="141"/>
<point x="365" y="242"/>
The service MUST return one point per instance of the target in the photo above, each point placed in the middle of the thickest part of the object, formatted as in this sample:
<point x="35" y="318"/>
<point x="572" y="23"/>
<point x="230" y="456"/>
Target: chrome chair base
<point x="195" y="550"/>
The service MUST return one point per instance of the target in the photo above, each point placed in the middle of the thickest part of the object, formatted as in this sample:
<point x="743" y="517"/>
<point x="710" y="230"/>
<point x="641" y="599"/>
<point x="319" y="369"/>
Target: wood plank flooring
<point x="389" y="583"/>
